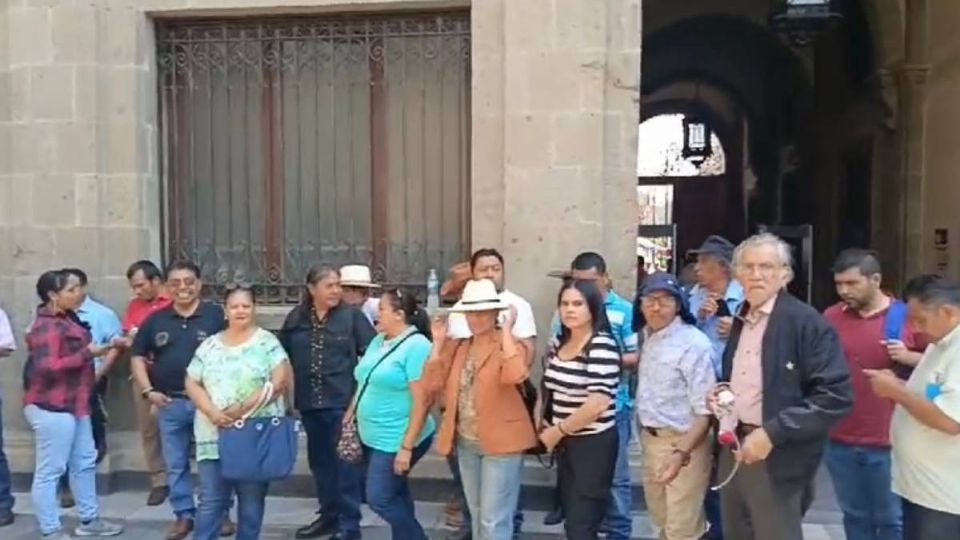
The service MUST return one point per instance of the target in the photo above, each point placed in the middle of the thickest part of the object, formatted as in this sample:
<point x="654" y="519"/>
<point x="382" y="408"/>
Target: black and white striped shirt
<point x="595" y="370"/>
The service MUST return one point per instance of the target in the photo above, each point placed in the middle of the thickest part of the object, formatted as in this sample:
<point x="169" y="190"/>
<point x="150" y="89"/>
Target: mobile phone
<point x="722" y="309"/>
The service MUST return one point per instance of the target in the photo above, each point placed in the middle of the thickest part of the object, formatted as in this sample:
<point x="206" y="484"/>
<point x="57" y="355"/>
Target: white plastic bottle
<point x="433" y="291"/>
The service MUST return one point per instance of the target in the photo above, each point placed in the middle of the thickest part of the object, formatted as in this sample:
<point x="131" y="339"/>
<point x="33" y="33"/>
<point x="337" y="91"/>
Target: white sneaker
<point x="98" y="527"/>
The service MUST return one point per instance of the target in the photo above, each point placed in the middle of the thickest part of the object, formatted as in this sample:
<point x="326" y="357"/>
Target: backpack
<point x="895" y="321"/>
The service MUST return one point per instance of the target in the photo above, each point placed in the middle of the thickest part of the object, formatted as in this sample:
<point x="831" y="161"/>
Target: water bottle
<point x="433" y="291"/>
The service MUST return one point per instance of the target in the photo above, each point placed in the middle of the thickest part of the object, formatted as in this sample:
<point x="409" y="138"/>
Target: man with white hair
<point x="785" y="366"/>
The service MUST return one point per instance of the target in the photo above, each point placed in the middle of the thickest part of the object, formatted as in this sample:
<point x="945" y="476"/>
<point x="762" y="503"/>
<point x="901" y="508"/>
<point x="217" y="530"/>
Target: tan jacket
<point x="503" y="425"/>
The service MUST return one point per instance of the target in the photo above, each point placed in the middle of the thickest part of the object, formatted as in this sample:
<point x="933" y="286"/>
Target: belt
<point x="652" y="430"/>
<point x="175" y="395"/>
<point x="745" y="429"/>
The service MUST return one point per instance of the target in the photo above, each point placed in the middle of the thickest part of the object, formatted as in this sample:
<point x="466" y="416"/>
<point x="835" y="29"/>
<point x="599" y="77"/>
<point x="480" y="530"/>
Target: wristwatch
<point x="145" y="393"/>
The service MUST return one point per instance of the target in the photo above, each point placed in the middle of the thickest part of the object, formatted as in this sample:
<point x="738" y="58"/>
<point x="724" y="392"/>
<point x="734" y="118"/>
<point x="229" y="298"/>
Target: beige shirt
<point x="926" y="462"/>
<point x="746" y="377"/>
<point x="466" y="411"/>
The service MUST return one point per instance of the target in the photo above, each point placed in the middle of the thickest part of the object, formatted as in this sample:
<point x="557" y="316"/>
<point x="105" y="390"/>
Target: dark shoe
<point x="227" y="528"/>
<point x="6" y="518"/>
<point x="354" y="535"/>
<point x="180" y="529"/>
<point x="66" y="499"/>
<point x="321" y="526"/>
<point x="463" y="533"/>
<point x="158" y="495"/>
<point x="555" y="517"/>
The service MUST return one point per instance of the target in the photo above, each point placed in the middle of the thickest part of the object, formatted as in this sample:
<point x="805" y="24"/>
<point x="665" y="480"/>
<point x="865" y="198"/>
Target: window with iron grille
<point x="335" y="140"/>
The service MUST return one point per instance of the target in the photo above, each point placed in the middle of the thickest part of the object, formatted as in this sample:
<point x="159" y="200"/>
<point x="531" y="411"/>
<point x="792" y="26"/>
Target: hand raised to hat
<point x="438" y="329"/>
<point x="510" y="319"/>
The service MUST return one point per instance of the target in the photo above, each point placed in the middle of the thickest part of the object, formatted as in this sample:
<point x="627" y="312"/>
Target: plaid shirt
<point x="60" y="368"/>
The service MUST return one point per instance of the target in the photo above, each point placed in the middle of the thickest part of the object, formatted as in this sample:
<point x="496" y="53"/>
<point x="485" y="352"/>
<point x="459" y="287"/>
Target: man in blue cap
<point x="713" y="301"/>
<point x="675" y="377"/>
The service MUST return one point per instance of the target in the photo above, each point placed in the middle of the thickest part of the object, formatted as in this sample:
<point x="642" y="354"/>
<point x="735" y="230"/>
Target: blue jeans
<point x="491" y="485"/>
<point x="175" y="422"/>
<point x="62" y="440"/>
<point x="465" y="508"/>
<point x="216" y="495"/>
<point x="389" y="495"/>
<point x="861" y="478"/>
<point x="618" y="523"/>
<point x="6" y="497"/>
<point x="339" y="490"/>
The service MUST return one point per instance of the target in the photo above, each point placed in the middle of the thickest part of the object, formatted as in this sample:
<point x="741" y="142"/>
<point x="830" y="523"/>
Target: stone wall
<point x="555" y="107"/>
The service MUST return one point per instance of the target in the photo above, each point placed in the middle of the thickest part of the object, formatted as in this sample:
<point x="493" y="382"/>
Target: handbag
<point x="261" y="449"/>
<point x="349" y="446"/>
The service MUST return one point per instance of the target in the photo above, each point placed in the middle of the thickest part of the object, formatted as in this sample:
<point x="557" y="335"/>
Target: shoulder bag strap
<point x="366" y="380"/>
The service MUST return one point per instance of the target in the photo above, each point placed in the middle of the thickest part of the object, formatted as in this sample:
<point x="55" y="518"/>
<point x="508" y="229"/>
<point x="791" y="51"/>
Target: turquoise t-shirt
<point x="383" y="412"/>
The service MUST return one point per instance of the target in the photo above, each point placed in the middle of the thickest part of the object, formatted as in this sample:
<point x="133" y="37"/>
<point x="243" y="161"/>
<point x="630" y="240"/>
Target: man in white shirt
<point x="487" y="263"/>
<point x="7" y="346"/>
<point x="925" y="430"/>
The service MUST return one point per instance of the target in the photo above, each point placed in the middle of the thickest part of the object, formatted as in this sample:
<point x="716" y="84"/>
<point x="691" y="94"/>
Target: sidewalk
<point x="286" y="514"/>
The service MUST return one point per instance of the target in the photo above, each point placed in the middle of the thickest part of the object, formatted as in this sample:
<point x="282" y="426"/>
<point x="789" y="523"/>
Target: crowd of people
<point x="735" y="389"/>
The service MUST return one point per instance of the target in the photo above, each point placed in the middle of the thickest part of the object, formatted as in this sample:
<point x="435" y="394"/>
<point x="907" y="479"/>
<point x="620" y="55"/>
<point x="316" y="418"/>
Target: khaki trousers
<point x="676" y="509"/>
<point x="149" y="438"/>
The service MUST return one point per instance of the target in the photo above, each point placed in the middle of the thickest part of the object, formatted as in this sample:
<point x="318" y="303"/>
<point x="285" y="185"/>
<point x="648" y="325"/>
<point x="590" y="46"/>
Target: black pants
<point x="921" y="523"/>
<point x="98" y="422"/>
<point x="585" y="466"/>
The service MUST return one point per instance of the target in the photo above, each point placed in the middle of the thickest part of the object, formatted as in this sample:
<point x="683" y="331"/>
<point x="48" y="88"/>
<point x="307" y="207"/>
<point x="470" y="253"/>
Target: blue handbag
<point x="259" y="449"/>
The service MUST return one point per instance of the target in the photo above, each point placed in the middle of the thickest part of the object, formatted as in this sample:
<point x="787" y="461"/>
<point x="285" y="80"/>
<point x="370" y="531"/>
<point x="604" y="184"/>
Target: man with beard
<point x="858" y="454"/>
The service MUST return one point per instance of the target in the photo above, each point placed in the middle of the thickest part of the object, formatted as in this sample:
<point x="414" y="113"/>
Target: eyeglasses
<point x="657" y="301"/>
<point x="764" y="269"/>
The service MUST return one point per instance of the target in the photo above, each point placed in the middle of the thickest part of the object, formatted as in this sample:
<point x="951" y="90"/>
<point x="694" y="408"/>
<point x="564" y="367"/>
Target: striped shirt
<point x="595" y="370"/>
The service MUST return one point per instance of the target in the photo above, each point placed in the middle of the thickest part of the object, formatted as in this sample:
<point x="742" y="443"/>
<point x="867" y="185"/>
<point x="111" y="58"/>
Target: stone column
<point x="913" y="120"/>
<point x="563" y="90"/>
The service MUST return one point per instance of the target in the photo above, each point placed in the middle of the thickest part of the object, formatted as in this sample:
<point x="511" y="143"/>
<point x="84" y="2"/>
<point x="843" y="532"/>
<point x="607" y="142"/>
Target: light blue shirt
<point x="104" y="323"/>
<point x="675" y="376"/>
<point x="733" y="297"/>
<point x="383" y="412"/>
<point x="620" y="315"/>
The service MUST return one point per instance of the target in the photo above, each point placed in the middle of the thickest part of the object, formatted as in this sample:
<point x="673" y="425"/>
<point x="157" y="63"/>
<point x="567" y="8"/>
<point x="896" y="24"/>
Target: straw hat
<point x="479" y="295"/>
<point x="357" y="275"/>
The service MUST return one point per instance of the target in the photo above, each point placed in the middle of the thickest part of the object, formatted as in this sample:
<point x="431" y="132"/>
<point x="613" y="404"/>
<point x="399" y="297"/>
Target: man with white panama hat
<point x="357" y="287"/>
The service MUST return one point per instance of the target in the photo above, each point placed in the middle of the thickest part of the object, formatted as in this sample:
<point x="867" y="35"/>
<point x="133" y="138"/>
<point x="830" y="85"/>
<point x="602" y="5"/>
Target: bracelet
<point x="146" y="392"/>
<point x="562" y="431"/>
<point x="407" y="448"/>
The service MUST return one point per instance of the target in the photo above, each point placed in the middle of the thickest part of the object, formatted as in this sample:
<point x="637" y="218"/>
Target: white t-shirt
<point x="371" y="308"/>
<point x="525" y="326"/>
<point x="926" y="462"/>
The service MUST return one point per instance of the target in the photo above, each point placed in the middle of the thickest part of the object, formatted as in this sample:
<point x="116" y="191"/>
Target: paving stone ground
<point x="285" y="514"/>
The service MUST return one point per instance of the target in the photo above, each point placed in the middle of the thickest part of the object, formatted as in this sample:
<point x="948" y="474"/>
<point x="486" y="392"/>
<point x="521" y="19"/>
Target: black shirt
<point x="170" y="340"/>
<point x="324" y="354"/>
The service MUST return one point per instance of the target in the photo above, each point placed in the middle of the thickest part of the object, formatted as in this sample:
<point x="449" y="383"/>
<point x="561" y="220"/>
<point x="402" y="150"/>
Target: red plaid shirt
<point x="60" y="367"/>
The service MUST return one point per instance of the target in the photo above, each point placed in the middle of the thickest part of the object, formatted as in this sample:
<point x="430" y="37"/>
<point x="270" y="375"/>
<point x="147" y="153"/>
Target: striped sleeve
<point x="603" y="365"/>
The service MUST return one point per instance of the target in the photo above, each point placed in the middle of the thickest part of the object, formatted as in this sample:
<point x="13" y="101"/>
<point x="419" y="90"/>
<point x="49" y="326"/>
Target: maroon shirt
<point x="60" y="376"/>
<point x="869" y="422"/>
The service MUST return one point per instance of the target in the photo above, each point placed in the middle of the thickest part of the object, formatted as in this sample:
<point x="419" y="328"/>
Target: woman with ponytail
<point x="394" y="438"/>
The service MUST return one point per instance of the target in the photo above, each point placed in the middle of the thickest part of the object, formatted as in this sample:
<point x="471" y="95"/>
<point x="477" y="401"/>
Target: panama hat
<point x="356" y="275"/>
<point x="479" y="295"/>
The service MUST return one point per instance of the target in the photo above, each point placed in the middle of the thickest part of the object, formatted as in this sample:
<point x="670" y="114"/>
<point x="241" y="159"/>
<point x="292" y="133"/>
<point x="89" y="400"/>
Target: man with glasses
<point x="675" y="375"/>
<point x="786" y="369"/>
<point x="170" y="338"/>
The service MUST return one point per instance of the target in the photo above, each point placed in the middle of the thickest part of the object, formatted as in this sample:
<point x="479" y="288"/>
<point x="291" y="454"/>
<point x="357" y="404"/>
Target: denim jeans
<point x="62" y="440"/>
<point x="861" y="478"/>
<point x="618" y="523"/>
<point x="389" y="495"/>
<point x="6" y="497"/>
<point x="176" y="434"/>
<point x="491" y="485"/>
<point x="465" y="508"/>
<point x="921" y="523"/>
<point x="339" y="490"/>
<point x="216" y="496"/>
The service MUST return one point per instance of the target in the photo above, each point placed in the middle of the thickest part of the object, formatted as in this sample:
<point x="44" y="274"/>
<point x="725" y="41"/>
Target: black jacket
<point x="806" y="385"/>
